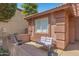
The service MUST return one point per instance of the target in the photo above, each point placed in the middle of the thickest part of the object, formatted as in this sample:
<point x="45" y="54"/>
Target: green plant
<point x="4" y="52"/>
<point x="29" y="8"/>
<point x="7" y="10"/>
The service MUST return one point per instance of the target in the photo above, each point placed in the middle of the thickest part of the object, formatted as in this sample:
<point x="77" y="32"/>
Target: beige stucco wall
<point x="17" y="24"/>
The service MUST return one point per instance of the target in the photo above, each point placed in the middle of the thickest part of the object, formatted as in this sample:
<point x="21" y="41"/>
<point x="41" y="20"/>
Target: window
<point x="41" y="25"/>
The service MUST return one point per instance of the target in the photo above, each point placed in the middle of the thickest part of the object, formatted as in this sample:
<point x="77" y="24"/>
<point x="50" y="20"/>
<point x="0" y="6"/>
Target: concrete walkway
<point x="26" y="50"/>
<point x="72" y="50"/>
<point x="32" y="49"/>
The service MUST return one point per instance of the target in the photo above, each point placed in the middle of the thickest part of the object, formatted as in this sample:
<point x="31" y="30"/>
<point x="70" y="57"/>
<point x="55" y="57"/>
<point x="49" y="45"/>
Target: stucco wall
<point x="17" y="24"/>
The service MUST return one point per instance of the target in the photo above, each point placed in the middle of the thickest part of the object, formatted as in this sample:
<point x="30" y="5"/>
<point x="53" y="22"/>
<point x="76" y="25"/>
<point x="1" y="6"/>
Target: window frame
<point x="40" y="19"/>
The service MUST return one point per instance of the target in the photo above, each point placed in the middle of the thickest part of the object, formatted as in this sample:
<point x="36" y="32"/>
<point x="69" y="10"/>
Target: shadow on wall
<point x="74" y="46"/>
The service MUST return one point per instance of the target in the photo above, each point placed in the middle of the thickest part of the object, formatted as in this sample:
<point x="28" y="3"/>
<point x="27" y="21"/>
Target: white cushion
<point x="43" y="40"/>
<point x="46" y="41"/>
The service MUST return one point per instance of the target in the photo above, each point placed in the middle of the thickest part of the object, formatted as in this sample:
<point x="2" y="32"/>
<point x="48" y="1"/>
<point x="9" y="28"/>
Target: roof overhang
<point x="62" y="7"/>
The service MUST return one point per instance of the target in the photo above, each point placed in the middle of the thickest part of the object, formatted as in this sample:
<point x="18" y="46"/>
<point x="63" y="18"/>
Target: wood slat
<point x="59" y="20"/>
<point x="60" y="44"/>
<point x="60" y="36"/>
<point x="60" y="15"/>
<point x="60" y="29"/>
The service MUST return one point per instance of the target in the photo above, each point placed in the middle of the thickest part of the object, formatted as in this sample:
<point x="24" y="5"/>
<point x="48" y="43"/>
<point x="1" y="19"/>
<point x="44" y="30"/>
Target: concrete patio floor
<point x="32" y="49"/>
<point x="27" y="50"/>
<point x="71" y="50"/>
